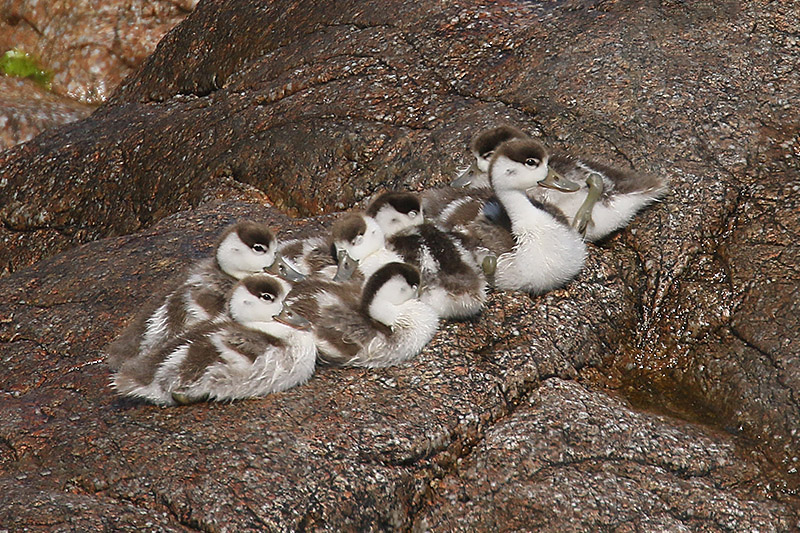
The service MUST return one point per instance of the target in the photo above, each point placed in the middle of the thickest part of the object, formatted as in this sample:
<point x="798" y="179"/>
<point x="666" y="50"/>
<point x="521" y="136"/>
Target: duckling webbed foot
<point x="583" y="217"/>
<point x="183" y="399"/>
<point x="489" y="264"/>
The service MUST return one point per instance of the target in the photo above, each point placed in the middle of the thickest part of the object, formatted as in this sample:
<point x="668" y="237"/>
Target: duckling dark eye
<point x="259" y="248"/>
<point x="267" y="297"/>
<point x="531" y="162"/>
<point x="412" y="214"/>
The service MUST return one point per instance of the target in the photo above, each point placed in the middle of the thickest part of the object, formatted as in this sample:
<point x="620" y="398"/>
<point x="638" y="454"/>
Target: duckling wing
<point x="343" y="330"/>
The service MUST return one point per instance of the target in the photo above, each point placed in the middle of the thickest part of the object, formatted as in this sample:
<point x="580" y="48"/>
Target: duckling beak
<point x="347" y="265"/>
<point x="556" y="181"/>
<point x="465" y="178"/>
<point x="283" y="269"/>
<point x="290" y="318"/>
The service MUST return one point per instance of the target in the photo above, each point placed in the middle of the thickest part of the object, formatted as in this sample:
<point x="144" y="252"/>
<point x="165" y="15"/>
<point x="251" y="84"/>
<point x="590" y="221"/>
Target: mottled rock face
<point x="27" y="109"/>
<point x="89" y="47"/>
<point x="506" y="419"/>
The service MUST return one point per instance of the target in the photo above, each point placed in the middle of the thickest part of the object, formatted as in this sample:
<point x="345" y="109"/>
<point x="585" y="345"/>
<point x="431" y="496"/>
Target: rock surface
<point x="27" y="110"/>
<point x="513" y="420"/>
<point x="88" y="46"/>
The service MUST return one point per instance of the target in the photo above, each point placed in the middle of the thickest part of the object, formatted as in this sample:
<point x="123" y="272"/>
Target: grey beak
<point x="347" y="265"/>
<point x="556" y="181"/>
<point x="283" y="269"/>
<point x="290" y="318"/>
<point x="466" y="177"/>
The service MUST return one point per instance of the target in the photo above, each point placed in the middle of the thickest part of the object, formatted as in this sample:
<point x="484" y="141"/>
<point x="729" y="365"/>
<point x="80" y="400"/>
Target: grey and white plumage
<point x="624" y="193"/>
<point x="360" y="244"/>
<point x="604" y="198"/>
<point x="253" y="353"/>
<point x="452" y="283"/>
<point x="375" y="324"/>
<point x="244" y="248"/>
<point x="544" y="252"/>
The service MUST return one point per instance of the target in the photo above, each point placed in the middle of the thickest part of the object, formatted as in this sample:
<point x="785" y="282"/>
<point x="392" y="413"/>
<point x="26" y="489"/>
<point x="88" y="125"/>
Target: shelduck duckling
<point x="377" y="324"/>
<point x="544" y="252"/>
<point x="596" y="199"/>
<point x="262" y="348"/>
<point x="452" y="283"/>
<point x="457" y="206"/>
<point x="482" y="147"/>
<point x="359" y="244"/>
<point x="242" y="249"/>
<point x="608" y="197"/>
<point x="313" y="256"/>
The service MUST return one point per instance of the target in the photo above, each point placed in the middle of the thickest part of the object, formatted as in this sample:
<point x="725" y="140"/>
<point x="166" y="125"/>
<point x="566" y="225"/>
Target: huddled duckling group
<point x="259" y="315"/>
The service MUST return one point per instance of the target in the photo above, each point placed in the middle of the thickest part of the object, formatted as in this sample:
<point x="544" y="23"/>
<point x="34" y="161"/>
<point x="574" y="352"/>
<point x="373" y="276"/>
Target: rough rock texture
<point x="88" y="46"/>
<point x="27" y="110"/>
<point x="505" y="421"/>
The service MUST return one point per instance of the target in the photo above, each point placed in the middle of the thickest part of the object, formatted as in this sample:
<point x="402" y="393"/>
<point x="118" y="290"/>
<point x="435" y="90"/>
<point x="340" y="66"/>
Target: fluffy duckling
<point x="482" y="147"/>
<point x="242" y="249"/>
<point x="313" y="256"/>
<point x="395" y="211"/>
<point x="544" y="252"/>
<point x="262" y="348"/>
<point x="359" y="244"/>
<point x="596" y="199"/>
<point x="377" y="324"/>
<point x="608" y="197"/>
<point x="452" y="283"/>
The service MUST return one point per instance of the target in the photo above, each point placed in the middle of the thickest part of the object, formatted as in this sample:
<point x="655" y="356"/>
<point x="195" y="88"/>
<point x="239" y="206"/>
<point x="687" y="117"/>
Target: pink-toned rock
<point x="26" y="110"/>
<point x="89" y="46"/>
<point x="313" y="106"/>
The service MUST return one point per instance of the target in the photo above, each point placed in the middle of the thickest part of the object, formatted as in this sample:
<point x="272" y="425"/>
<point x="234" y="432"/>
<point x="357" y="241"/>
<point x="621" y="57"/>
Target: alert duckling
<point x="482" y="147"/>
<point x="596" y="199"/>
<point x="262" y="348"/>
<point x="377" y="324"/>
<point x="452" y="283"/>
<point x="545" y="252"/>
<point x="242" y="249"/>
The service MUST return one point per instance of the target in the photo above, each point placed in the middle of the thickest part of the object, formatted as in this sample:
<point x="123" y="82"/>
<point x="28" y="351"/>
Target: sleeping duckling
<point x="452" y="283"/>
<point x="242" y="249"/>
<point x="544" y="252"/>
<point x="597" y="199"/>
<point x="261" y="348"/>
<point x="377" y="324"/>
<point x="359" y="244"/>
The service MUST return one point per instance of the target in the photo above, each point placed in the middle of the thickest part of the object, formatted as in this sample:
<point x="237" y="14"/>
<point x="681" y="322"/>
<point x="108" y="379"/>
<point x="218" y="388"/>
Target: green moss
<point x="20" y="64"/>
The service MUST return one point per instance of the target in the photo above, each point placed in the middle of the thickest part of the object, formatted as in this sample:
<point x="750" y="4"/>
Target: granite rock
<point x="531" y="414"/>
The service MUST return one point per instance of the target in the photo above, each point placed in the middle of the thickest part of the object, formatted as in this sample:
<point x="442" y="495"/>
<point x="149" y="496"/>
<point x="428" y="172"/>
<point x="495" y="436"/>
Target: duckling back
<point x="452" y="283"/>
<point x="246" y="355"/>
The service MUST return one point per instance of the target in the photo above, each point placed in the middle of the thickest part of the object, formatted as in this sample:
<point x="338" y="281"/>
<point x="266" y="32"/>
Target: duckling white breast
<point x="542" y="259"/>
<point x="226" y="361"/>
